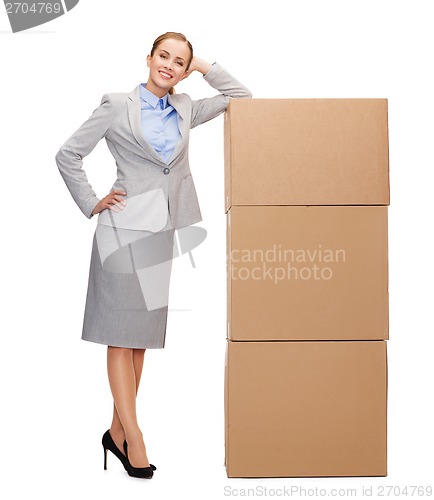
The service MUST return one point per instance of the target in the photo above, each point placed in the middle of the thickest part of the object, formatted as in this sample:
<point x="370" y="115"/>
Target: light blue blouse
<point x="159" y="123"/>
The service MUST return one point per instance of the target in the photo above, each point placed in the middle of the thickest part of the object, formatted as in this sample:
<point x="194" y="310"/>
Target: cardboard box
<point x="299" y="409"/>
<point x="306" y="152"/>
<point x="307" y="273"/>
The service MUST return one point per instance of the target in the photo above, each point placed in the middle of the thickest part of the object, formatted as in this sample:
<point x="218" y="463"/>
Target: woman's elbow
<point x="59" y="157"/>
<point x="247" y="94"/>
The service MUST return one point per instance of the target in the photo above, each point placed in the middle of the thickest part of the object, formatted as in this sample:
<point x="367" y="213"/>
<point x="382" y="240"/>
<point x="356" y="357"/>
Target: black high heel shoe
<point x="142" y="472"/>
<point x="109" y="444"/>
<point x="125" y="450"/>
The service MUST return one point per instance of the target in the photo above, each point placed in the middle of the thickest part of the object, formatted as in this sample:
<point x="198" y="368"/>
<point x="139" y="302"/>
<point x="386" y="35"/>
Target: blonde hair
<point x="176" y="36"/>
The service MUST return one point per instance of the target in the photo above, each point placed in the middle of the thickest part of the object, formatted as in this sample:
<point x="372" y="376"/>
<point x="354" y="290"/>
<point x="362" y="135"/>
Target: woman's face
<point x="167" y="66"/>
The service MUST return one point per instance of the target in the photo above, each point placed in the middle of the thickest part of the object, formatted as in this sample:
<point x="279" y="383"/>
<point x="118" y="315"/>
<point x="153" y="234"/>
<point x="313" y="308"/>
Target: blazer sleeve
<point x="70" y="156"/>
<point x="210" y="107"/>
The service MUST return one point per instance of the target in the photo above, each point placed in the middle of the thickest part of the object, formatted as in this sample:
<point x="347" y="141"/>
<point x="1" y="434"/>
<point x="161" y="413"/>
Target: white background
<point x="55" y="396"/>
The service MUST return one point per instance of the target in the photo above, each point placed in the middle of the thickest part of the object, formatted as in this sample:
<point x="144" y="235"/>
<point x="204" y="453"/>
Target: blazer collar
<point x="134" y="114"/>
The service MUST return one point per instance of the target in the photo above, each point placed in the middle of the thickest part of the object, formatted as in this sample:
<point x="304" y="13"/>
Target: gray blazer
<point x="155" y="190"/>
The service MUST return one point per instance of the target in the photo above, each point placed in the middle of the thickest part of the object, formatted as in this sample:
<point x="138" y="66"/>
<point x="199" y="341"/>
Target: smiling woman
<point x="171" y="50"/>
<point x="147" y="131"/>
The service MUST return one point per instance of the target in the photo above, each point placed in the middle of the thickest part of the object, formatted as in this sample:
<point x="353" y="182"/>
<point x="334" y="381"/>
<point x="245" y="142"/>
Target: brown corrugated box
<point x="299" y="409"/>
<point x="306" y="152"/>
<point x="307" y="273"/>
<point x="306" y="362"/>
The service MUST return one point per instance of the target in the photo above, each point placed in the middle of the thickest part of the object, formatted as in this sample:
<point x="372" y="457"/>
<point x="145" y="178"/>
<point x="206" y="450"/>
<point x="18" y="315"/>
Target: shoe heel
<point x="105" y="458"/>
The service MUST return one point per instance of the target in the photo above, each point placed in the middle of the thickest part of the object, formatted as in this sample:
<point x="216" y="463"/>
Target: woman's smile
<point x="165" y="75"/>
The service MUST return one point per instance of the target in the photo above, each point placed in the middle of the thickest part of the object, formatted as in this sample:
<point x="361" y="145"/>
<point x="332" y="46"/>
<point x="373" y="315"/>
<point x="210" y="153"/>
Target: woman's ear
<point x="148" y="60"/>
<point x="187" y="73"/>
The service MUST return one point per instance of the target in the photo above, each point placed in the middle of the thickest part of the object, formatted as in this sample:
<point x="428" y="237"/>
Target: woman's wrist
<point x="200" y="65"/>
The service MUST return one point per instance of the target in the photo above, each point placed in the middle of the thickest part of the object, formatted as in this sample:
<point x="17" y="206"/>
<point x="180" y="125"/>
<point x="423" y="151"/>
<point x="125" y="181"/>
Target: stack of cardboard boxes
<point x="307" y="194"/>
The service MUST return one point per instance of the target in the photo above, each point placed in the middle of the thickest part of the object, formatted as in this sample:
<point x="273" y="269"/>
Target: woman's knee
<point x="120" y="351"/>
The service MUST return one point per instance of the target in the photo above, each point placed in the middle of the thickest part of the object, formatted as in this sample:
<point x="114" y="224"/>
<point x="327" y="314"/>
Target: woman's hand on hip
<point x="112" y="201"/>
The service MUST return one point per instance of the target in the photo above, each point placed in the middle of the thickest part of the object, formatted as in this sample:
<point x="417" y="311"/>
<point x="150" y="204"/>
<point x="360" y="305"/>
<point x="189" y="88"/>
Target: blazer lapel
<point x="133" y="102"/>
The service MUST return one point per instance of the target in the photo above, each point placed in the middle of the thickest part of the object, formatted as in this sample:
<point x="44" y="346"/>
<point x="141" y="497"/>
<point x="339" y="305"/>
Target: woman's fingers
<point x="118" y="201"/>
<point x="118" y="191"/>
<point x="112" y="201"/>
<point x="115" y="201"/>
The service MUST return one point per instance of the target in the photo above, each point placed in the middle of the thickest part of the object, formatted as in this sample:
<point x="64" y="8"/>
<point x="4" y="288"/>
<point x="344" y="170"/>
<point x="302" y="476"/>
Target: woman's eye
<point x="163" y="56"/>
<point x="180" y="63"/>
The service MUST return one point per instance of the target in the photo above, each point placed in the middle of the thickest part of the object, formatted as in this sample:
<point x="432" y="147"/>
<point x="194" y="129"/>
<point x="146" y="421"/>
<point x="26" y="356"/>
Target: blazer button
<point x="166" y="170"/>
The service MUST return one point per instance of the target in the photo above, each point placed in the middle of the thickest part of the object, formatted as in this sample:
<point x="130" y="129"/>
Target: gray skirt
<point x="128" y="287"/>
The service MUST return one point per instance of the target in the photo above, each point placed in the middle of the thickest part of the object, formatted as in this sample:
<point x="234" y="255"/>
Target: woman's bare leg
<point x="124" y="368"/>
<point x="116" y="430"/>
